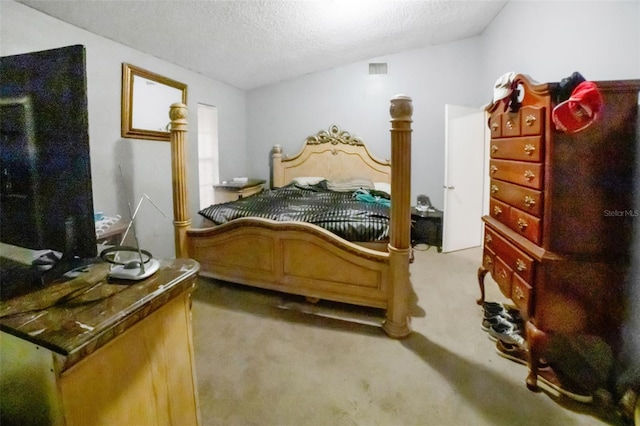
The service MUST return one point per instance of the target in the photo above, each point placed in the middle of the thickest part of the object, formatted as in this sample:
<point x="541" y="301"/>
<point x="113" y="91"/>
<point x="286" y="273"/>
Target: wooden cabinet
<point x="118" y="353"/>
<point x="558" y="234"/>
<point x="231" y="191"/>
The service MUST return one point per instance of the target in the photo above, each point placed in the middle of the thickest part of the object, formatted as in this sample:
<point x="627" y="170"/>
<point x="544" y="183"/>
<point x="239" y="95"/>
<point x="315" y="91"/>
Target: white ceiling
<point x="253" y="43"/>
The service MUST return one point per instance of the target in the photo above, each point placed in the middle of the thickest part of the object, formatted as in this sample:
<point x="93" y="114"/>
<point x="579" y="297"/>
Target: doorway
<point x="464" y="183"/>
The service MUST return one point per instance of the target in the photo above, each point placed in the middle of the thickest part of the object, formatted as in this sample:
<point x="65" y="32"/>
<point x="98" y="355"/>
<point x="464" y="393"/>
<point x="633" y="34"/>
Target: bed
<point x="303" y="258"/>
<point x="356" y="210"/>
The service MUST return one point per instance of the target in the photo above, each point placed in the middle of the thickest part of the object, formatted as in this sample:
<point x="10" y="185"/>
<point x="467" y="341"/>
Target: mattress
<point x="343" y="213"/>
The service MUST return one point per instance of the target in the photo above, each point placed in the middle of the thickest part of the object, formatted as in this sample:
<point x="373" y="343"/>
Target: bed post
<point x="181" y="219"/>
<point x="277" y="174"/>
<point x="397" y="321"/>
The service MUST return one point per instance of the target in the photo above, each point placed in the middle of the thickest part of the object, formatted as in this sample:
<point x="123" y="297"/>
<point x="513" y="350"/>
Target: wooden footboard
<point x="292" y="257"/>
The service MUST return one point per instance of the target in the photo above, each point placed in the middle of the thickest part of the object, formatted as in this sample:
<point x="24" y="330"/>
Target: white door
<point x="463" y="177"/>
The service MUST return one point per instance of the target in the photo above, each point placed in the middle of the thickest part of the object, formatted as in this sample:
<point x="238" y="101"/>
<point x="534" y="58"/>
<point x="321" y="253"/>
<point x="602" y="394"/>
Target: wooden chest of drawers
<point x="549" y="243"/>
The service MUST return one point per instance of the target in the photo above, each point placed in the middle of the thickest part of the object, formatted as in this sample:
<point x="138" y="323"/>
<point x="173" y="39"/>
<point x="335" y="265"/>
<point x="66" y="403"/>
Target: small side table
<point x="227" y="191"/>
<point x="426" y="228"/>
<point x="112" y="235"/>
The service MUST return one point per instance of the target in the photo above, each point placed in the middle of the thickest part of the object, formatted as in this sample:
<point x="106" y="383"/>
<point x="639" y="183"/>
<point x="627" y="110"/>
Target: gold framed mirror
<point x="146" y="97"/>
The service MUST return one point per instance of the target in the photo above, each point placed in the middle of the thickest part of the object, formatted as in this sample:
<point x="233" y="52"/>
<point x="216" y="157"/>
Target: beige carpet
<point x="265" y="358"/>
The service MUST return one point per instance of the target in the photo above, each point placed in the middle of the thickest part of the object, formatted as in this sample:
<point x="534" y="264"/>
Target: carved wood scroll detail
<point x="334" y="136"/>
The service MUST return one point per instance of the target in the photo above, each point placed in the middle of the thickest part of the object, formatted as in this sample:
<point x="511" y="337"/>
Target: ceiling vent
<point x="376" y="68"/>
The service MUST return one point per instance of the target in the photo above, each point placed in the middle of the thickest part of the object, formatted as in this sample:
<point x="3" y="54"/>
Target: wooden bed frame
<point x="301" y="258"/>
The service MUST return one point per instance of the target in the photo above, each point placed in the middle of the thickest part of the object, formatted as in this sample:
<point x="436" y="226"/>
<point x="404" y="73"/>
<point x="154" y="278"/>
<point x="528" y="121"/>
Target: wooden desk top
<point x="240" y="184"/>
<point x="74" y="317"/>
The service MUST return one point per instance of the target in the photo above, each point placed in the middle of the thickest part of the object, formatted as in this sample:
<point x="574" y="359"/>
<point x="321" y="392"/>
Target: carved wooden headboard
<point x="334" y="154"/>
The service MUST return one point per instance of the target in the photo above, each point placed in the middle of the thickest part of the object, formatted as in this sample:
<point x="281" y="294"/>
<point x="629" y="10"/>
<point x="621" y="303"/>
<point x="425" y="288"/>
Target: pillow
<point x="350" y="185"/>
<point x="382" y="186"/>
<point x="307" y="180"/>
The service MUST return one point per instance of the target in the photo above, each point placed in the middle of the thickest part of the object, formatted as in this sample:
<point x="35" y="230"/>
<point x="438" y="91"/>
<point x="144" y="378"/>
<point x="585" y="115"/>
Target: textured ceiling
<point x="250" y="44"/>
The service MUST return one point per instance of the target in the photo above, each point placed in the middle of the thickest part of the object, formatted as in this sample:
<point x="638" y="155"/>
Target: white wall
<point x="146" y="164"/>
<point x="544" y="39"/>
<point x="288" y="112"/>
<point x="550" y="40"/>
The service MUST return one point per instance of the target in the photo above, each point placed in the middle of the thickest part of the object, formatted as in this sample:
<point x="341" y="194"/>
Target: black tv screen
<point x="46" y="191"/>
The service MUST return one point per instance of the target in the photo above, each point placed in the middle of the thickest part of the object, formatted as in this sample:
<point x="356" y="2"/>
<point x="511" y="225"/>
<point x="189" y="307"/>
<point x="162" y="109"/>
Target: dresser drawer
<point x="518" y="172"/>
<point x="526" y="199"/>
<point x="502" y="275"/>
<point x="525" y="148"/>
<point x="495" y="125"/>
<point x="510" y="124"/>
<point x="515" y="258"/>
<point x="531" y="120"/>
<point x="499" y="210"/>
<point x="525" y="224"/>
<point x="521" y="295"/>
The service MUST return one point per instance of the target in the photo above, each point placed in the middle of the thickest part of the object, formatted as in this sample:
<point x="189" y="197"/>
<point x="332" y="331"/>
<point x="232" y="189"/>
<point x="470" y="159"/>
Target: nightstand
<point x="227" y="191"/>
<point x="426" y="228"/>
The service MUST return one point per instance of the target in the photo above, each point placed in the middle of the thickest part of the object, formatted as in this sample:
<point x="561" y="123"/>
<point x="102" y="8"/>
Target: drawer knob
<point x="522" y="224"/>
<point x="520" y="265"/>
<point x="503" y="274"/>
<point x="529" y="175"/>
<point x="488" y="239"/>
<point x="494" y="189"/>
<point x="493" y="169"/>
<point x="518" y="293"/>
<point x="529" y="201"/>
<point x="494" y="126"/>
<point x="497" y="210"/>
<point x="529" y="149"/>
<point x="494" y="149"/>
<point x="487" y="260"/>
<point x="530" y="120"/>
<point x="509" y="124"/>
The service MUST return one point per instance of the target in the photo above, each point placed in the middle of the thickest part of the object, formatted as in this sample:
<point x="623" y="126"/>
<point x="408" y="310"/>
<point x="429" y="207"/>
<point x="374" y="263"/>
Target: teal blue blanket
<point x="366" y="196"/>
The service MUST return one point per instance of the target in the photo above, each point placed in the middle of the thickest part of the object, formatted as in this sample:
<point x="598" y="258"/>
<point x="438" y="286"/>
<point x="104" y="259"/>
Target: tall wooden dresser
<point x="557" y="239"/>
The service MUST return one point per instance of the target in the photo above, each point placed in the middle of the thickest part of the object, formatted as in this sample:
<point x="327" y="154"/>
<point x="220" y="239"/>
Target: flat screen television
<point x="45" y="172"/>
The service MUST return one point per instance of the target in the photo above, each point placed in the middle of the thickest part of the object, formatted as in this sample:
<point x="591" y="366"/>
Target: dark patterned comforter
<point x="338" y="212"/>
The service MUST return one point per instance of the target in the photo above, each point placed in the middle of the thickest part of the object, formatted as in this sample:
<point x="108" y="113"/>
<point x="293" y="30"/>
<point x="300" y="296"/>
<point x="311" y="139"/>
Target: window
<point x="208" y="170"/>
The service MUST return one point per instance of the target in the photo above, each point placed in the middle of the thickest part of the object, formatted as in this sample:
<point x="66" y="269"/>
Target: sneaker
<point x="514" y="353"/>
<point x="492" y="309"/>
<point x="493" y="306"/>
<point x="510" y="315"/>
<point x="487" y="323"/>
<point x="507" y="333"/>
<point x="548" y="380"/>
